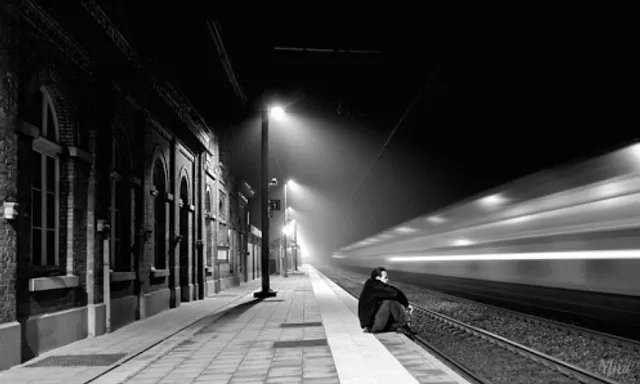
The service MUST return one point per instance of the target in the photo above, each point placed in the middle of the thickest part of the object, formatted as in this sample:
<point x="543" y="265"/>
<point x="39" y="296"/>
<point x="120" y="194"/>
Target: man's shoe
<point x="405" y="330"/>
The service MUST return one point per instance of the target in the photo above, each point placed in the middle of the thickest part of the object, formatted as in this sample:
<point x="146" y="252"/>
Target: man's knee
<point x="393" y="304"/>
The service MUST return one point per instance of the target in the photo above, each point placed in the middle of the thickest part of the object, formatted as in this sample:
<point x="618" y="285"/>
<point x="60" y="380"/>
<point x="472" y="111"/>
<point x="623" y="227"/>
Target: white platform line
<point x="358" y="357"/>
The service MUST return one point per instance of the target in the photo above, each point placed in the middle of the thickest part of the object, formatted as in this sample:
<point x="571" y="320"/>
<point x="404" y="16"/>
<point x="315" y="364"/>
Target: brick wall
<point x="86" y="107"/>
<point x="8" y="167"/>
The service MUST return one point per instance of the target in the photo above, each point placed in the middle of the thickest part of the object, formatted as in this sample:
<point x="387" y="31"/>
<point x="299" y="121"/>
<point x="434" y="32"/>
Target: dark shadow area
<point x="230" y="315"/>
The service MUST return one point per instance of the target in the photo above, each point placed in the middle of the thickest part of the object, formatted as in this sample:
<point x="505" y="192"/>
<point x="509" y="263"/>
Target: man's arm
<point x="385" y="292"/>
<point x="401" y="298"/>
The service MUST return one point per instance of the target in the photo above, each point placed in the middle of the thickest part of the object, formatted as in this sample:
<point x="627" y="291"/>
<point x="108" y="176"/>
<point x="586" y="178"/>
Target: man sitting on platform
<point x="381" y="307"/>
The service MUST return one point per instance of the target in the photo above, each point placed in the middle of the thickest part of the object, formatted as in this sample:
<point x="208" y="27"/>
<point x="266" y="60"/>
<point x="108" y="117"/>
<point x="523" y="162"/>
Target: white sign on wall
<point x="223" y="254"/>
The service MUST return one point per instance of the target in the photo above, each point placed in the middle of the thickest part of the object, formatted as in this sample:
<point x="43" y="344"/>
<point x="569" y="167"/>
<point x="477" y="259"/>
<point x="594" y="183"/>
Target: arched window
<point x="45" y="183"/>
<point x="185" y="232"/>
<point x="207" y="201"/>
<point x="121" y="209"/>
<point x="209" y="228"/>
<point x="222" y="206"/>
<point x="160" y="213"/>
<point x="223" y="238"/>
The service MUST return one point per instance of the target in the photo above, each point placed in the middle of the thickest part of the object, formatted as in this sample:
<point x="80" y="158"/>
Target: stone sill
<point x="159" y="272"/>
<point x="123" y="276"/>
<point x="80" y="154"/>
<point x="55" y="282"/>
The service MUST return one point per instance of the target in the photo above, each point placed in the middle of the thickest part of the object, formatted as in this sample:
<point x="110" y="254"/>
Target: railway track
<point x="543" y="322"/>
<point x="485" y="357"/>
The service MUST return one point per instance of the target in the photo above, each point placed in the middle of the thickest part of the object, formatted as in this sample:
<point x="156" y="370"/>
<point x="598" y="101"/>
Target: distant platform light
<point x="493" y="200"/>
<point x="405" y="230"/>
<point x="436" y="219"/>
<point x="632" y="254"/>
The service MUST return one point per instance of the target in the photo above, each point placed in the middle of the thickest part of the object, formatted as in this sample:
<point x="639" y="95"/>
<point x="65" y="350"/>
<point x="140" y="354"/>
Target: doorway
<point x="185" y="287"/>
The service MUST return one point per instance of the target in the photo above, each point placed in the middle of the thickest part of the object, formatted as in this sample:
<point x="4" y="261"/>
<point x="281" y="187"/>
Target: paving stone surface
<point x="230" y="339"/>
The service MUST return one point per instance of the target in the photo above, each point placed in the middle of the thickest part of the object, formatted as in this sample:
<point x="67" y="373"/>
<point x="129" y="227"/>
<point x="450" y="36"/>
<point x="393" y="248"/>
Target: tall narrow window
<point x="120" y="210"/>
<point x="209" y="226"/>
<point x="160" y="212"/>
<point x="45" y="182"/>
<point x="222" y="206"/>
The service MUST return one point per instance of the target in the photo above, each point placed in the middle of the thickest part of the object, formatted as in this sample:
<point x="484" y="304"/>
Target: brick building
<point x="107" y="174"/>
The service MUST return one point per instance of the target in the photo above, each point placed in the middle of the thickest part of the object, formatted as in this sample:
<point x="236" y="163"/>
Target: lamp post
<point x="295" y="249"/>
<point x="286" y="209"/>
<point x="266" y="290"/>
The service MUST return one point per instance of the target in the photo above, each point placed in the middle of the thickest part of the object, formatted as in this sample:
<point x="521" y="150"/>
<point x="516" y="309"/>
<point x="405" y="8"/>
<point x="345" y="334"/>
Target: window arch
<point x="207" y="200"/>
<point x="160" y="213"/>
<point x="223" y="238"/>
<point x="184" y="191"/>
<point x="45" y="182"/>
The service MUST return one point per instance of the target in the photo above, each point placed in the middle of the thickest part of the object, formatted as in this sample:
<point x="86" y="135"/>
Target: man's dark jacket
<point x="373" y="293"/>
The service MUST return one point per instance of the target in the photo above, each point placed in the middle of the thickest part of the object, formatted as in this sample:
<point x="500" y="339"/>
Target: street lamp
<point x="278" y="113"/>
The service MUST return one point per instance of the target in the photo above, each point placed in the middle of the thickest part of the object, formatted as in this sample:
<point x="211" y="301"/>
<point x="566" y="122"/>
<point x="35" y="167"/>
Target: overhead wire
<point x="395" y="128"/>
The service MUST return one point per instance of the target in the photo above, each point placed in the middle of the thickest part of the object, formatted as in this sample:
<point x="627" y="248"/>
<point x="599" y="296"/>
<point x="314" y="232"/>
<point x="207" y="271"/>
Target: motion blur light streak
<point x="405" y="230"/>
<point x="581" y="255"/>
<point x="518" y="220"/>
<point x="462" y="242"/>
<point x="493" y="201"/>
<point x="635" y="150"/>
<point x="436" y="219"/>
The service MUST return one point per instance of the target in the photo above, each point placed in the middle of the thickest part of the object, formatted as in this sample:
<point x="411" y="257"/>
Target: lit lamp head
<point x="277" y="113"/>
<point x="287" y="230"/>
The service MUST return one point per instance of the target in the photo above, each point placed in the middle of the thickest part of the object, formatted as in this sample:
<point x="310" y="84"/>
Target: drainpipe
<point x="104" y="228"/>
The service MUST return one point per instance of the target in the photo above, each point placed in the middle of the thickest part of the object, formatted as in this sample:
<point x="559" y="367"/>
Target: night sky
<point x="501" y="93"/>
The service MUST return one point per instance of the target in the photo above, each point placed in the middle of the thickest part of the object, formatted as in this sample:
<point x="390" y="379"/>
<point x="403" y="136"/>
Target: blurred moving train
<point x="575" y="227"/>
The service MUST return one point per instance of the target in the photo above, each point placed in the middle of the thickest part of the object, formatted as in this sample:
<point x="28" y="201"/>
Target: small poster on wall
<point x="223" y="254"/>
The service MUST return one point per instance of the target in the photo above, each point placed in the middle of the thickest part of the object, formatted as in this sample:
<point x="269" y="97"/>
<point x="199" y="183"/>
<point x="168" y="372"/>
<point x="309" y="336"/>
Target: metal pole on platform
<point x="266" y="291"/>
<point x="284" y="234"/>
<point x="295" y="241"/>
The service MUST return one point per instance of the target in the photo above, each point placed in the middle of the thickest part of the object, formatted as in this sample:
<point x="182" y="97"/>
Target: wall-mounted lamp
<point x="9" y="210"/>
<point x="176" y="240"/>
<point x="103" y="226"/>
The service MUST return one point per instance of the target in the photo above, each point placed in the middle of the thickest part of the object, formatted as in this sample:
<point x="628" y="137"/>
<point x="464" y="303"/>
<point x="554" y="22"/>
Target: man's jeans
<point x="390" y="316"/>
